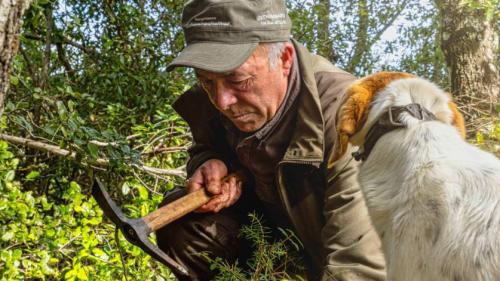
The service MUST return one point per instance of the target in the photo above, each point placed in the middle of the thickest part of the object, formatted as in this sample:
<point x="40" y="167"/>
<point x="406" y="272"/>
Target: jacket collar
<point x="307" y="143"/>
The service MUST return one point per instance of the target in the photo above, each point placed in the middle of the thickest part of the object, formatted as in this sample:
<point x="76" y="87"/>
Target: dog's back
<point x="433" y="198"/>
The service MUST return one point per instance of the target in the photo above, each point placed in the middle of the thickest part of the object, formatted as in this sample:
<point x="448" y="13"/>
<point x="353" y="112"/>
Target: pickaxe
<point x="137" y="231"/>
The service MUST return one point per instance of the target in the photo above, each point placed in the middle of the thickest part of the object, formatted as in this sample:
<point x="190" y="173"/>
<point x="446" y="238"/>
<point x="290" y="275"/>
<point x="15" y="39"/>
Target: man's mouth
<point x="241" y="117"/>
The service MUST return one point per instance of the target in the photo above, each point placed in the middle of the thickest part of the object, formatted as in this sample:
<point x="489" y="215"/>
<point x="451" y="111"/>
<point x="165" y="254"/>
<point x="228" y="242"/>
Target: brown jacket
<point x="329" y="216"/>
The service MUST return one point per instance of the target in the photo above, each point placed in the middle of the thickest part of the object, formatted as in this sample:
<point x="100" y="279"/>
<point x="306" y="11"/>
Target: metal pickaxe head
<point x="135" y="231"/>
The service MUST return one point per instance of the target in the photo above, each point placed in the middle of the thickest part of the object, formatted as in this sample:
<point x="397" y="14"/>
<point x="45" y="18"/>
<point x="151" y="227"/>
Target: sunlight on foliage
<point x="61" y="235"/>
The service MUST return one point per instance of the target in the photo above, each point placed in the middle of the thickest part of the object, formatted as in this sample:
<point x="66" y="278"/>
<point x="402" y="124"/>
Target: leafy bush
<point x="61" y="235"/>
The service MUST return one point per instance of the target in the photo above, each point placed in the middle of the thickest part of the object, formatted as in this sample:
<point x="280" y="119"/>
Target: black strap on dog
<point x="387" y="122"/>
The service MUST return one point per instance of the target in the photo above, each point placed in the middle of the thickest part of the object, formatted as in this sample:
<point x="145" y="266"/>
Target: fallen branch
<point x="163" y="149"/>
<point x="100" y="162"/>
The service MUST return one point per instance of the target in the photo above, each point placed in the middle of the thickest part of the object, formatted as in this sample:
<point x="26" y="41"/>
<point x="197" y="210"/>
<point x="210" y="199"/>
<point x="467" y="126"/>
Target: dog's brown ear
<point x="353" y="110"/>
<point x="457" y="119"/>
<point x="356" y="99"/>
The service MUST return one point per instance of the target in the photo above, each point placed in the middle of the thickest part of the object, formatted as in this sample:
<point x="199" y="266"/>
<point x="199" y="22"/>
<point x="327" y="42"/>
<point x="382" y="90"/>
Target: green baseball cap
<point x="222" y="34"/>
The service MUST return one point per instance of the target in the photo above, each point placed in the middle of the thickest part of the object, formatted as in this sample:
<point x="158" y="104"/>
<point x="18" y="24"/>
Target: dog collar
<point x="389" y="121"/>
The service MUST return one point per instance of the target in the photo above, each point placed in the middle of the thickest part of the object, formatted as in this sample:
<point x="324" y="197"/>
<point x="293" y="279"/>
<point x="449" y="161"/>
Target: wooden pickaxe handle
<point x="186" y="204"/>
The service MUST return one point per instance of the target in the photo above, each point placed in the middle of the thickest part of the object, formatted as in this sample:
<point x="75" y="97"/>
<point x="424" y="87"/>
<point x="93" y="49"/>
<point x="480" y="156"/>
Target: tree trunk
<point x="361" y="46"/>
<point x="11" y="13"/>
<point x="325" y="43"/>
<point x="470" y="47"/>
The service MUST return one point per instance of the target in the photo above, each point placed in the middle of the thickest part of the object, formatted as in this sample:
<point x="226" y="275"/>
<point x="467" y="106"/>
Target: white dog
<point x="433" y="198"/>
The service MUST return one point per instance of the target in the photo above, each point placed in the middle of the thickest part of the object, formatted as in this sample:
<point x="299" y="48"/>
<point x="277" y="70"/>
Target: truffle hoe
<point x="137" y="230"/>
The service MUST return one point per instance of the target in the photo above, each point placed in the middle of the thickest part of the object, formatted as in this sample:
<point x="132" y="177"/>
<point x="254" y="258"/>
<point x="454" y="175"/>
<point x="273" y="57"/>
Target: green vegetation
<point x="271" y="260"/>
<point x="60" y="234"/>
<point x="89" y="79"/>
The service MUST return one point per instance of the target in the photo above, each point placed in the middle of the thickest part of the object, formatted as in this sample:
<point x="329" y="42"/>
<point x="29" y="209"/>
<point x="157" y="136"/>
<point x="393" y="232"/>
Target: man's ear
<point x="287" y="58"/>
<point x="354" y="108"/>
<point x="457" y="119"/>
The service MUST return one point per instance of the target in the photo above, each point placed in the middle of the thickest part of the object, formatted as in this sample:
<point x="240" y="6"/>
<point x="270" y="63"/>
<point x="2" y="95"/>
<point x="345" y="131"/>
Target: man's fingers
<point x="213" y="204"/>
<point x="224" y="197"/>
<point x="193" y="185"/>
<point x="237" y="192"/>
<point x="214" y="187"/>
<point x="213" y="183"/>
<point x="225" y="191"/>
<point x="209" y="207"/>
<point x="234" y="193"/>
<point x="209" y="176"/>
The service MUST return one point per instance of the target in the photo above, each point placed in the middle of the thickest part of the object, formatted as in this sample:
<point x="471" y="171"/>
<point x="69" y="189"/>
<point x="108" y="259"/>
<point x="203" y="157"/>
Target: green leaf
<point x="7" y="236"/>
<point x="16" y="254"/>
<point x="33" y="175"/>
<point x="50" y="232"/>
<point x="71" y="106"/>
<point x="77" y="208"/>
<point x="125" y="188"/>
<point x="70" y="275"/>
<point x="93" y="150"/>
<point x="61" y="110"/>
<point x="10" y="175"/>
<point x="143" y="192"/>
<point x="14" y="80"/>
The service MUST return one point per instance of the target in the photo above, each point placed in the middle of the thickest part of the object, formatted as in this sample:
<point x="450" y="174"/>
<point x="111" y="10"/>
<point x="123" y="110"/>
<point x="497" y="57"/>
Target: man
<point x="264" y="104"/>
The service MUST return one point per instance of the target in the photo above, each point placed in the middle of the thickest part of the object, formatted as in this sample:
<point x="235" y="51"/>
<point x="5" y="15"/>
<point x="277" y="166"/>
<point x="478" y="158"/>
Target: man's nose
<point x="225" y="96"/>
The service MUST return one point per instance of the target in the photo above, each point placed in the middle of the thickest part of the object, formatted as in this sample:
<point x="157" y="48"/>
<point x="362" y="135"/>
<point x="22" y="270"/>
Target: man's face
<point x="250" y="95"/>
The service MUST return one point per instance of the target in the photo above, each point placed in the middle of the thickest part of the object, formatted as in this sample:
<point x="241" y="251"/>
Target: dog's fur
<point x="433" y="198"/>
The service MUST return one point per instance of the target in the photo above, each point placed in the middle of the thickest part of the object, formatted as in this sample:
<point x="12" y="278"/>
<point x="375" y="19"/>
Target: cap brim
<point x="213" y="56"/>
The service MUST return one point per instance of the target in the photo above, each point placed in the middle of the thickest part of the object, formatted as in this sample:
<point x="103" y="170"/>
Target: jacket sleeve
<point x="208" y="134"/>
<point x="352" y="247"/>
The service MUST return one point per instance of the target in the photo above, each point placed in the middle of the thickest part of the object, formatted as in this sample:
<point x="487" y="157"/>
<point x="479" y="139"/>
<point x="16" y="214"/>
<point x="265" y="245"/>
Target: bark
<point x="361" y="46"/>
<point x="11" y="14"/>
<point x="47" y="52"/>
<point x="470" y="47"/>
<point x="325" y="41"/>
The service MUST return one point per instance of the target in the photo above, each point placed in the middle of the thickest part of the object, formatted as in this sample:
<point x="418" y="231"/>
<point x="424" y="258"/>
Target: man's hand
<point x="210" y="175"/>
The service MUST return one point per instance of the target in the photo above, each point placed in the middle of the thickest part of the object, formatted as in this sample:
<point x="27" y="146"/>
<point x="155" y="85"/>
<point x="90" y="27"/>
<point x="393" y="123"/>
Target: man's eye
<point x="241" y="84"/>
